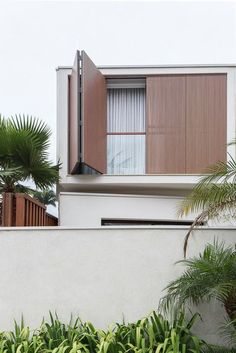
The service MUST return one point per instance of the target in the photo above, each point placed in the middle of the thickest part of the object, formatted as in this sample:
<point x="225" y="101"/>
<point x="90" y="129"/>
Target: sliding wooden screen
<point x="186" y="123"/>
<point x="206" y="121"/>
<point x="74" y="116"/>
<point x="165" y="129"/>
<point x="87" y="117"/>
<point x="94" y="105"/>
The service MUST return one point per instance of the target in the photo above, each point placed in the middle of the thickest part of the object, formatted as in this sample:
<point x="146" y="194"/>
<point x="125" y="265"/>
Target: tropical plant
<point x="214" y="196"/>
<point x="47" y="196"/>
<point x="153" y="334"/>
<point x="24" y="142"/>
<point x="218" y="349"/>
<point x="211" y="275"/>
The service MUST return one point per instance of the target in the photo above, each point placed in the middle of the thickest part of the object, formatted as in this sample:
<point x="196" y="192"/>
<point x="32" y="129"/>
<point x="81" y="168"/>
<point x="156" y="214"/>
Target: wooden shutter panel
<point x="165" y="141"/>
<point x="74" y="116"/>
<point x="206" y="121"/>
<point x="87" y="117"/>
<point x="94" y="117"/>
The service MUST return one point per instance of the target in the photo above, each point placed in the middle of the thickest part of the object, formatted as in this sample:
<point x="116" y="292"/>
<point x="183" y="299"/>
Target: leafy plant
<point x="47" y="196"/>
<point x="153" y="334"/>
<point x="24" y="142"/>
<point x="211" y="275"/>
<point x="214" y="196"/>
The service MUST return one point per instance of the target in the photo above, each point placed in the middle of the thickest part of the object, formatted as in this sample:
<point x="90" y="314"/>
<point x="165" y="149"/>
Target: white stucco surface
<point x="88" y="209"/>
<point x="99" y="274"/>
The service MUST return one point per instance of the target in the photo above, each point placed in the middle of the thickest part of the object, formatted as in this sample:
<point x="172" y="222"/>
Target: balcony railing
<point x="21" y="210"/>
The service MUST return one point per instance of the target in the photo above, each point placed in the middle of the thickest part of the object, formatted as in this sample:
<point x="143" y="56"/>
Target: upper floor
<point x="158" y="127"/>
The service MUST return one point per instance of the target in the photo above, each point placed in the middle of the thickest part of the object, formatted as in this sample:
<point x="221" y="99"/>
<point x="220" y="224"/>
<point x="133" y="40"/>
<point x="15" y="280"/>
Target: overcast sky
<point x="36" y="37"/>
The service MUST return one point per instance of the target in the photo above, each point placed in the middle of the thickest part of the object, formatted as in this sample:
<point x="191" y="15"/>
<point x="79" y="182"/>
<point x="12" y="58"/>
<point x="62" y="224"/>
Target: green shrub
<point x="153" y="334"/>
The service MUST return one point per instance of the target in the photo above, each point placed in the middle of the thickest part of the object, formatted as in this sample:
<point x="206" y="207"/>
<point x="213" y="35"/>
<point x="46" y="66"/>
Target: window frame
<point x="128" y="83"/>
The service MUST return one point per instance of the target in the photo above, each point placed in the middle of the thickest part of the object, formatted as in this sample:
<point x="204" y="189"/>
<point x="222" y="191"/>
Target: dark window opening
<point x="149" y="222"/>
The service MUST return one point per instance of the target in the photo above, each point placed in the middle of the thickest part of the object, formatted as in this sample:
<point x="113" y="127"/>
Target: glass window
<point x="126" y="154"/>
<point x="126" y="131"/>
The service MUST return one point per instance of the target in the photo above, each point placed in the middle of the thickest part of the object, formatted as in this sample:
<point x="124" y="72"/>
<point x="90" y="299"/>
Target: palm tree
<point x="211" y="275"/>
<point x="214" y="195"/>
<point x="24" y="142"/>
<point x="47" y="196"/>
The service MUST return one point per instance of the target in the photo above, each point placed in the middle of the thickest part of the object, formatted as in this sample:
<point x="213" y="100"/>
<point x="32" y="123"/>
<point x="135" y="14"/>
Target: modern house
<point x="133" y="140"/>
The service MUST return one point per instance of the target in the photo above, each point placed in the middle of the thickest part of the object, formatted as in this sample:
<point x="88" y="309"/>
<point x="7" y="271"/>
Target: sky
<point x="38" y="36"/>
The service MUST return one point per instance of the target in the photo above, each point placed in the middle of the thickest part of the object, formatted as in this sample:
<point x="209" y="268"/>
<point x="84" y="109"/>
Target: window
<point x="143" y="222"/>
<point x="126" y="130"/>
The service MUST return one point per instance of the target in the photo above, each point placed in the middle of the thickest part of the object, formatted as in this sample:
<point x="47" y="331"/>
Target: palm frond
<point x="218" y="349"/>
<point x="9" y="171"/>
<point x="24" y="142"/>
<point x="208" y="196"/>
<point x="228" y="331"/>
<point x="45" y="174"/>
<point x="47" y="196"/>
<point x="216" y="200"/>
<point x="212" y="274"/>
<point x="220" y="172"/>
<point x="36" y="130"/>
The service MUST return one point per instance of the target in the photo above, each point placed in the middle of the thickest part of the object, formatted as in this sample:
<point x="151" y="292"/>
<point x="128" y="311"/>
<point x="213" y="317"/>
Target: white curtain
<point x="126" y="113"/>
<point x="126" y="110"/>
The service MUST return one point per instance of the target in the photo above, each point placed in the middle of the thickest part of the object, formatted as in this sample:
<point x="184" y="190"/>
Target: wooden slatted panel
<point x="40" y="217"/>
<point x="74" y="115"/>
<point x="31" y="214"/>
<point x="206" y="121"/>
<point x="51" y="221"/>
<point x="94" y="117"/>
<point x="7" y="209"/>
<point x="36" y="215"/>
<point x="33" y="223"/>
<point x="26" y="212"/>
<point x="43" y="216"/>
<point x="20" y="210"/>
<point x="165" y="141"/>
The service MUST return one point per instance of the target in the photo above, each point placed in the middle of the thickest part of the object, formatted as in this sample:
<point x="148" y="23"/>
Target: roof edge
<point x="153" y="66"/>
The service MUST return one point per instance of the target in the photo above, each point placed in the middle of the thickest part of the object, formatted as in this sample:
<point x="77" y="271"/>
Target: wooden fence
<point x="21" y="210"/>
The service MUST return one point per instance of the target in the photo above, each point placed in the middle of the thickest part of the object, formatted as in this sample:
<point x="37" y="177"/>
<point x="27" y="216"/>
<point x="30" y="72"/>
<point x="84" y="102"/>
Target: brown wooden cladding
<point x="165" y="125"/>
<point x="94" y="103"/>
<point x="186" y="123"/>
<point x="206" y="121"/>
<point x="21" y="210"/>
<point x="74" y="103"/>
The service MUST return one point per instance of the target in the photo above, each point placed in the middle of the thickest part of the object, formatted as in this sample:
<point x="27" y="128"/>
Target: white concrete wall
<point x="87" y="210"/>
<point x="99" y="274"/>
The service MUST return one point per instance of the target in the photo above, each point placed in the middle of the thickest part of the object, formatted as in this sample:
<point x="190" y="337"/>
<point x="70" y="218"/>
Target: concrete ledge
<point x="116" y="228"/>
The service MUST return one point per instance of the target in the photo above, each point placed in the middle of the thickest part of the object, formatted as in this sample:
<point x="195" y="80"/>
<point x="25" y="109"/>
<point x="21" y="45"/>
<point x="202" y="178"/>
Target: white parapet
<point x="99" y="274"/>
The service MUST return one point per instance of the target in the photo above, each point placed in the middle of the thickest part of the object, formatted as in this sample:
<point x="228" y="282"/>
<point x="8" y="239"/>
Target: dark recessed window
<point x="149" y="222"/>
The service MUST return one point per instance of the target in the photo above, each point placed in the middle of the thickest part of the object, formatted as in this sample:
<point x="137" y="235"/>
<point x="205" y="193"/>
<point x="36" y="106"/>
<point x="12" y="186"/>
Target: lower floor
<point x="97" y="210"/>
